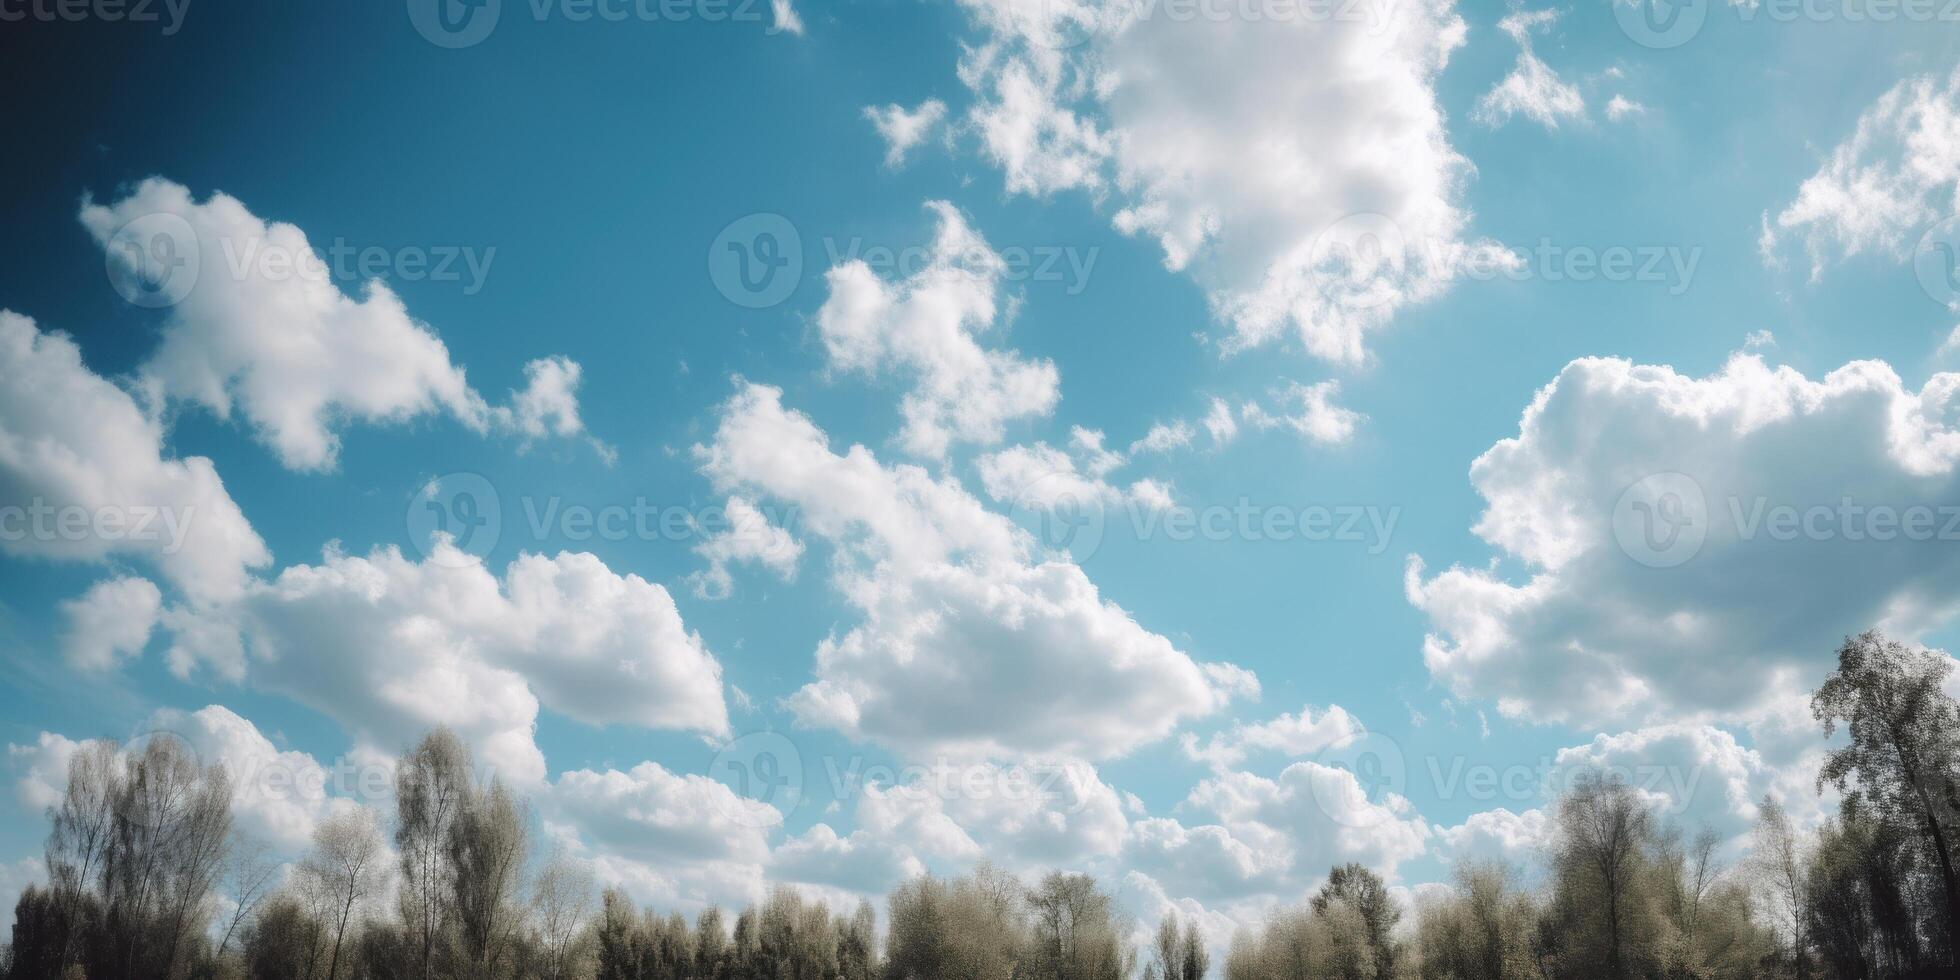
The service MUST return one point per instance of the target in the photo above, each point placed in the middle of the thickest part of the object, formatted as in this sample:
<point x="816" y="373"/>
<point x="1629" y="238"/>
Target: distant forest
<point x="148" y="880"/>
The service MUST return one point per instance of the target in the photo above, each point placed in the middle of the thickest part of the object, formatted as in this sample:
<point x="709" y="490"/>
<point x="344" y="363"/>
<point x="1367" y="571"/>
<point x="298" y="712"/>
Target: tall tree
<point x="344" y="871"/>
<point x="1605" y="827"/>
<point x="1903" y="756"/>
<point x="432" y="785"/>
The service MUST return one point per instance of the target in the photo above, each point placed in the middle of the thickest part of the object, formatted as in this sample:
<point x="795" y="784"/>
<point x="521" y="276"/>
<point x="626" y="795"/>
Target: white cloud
<point x="1532" y="88"/>
<point x="75" y="444"/>
<point x="905" y="128"/>
<point x="1294" y="735"/>
<point x="927" y="326"/>
<point x="1164" y="437"/>
<point x="1275" y="837"/>
<point x="391" y="647"/>
<point x="548" y="405"/>
<point x="1697" y="547"/>
<point x="1258" y="177"/>
<point x="749" y="537"/>
<point x="673" y="840"/>
<point x="277" y="796"/>
<point x="263" y="329"/>
<point x="1041" y="477"/>
<point x="110" y="622"/>
<point x="1313" y="414"/>
<point x="1521" y="840"/>
<point x="1619" y="108"/>
<point x="970" y="641"/>
<point x="786" y="19"/>
<point x="1898" y="172"/>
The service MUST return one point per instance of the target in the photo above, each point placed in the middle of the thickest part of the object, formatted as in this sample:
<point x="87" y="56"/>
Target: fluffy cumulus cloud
<point x="1897" y="173"/>
<point x="1532" y="89"/>
<point x="1046" y="478"/>
<point x="1274" y="836"/>
<point x="392" y="647"/>
<point x="1312" y="203"/>
<point x="674" y="840"/>
<point x="257" y="325"/>
<point x="86" y="477"/>
<point x="1686" y="551"/>
<point x="1301" y="734"/>
<point x="110" y="622"/>
<point x="277" y="796"/>
<point x="970" y="640"/>
<point x="1520" y="840"/>
<point x="1309" y="410"/>
<point x="905" y="128"/>
<point x="927" y="326"/>
<point x="749" y="537"/>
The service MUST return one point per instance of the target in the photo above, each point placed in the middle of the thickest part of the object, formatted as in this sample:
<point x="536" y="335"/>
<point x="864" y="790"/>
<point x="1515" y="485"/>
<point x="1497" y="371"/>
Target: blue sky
<point x="590" y="166"/>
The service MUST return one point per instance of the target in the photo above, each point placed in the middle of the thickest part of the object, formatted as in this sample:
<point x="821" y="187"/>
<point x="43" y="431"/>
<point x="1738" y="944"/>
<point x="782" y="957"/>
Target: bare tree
<point x="562" y="901"/>
<point x="1605" y="827"/>
<point x="345" y="870"/>
<point x="432" y="786"/>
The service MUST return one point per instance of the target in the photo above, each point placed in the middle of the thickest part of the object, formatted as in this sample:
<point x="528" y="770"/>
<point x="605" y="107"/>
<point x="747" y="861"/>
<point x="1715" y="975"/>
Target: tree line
<point x="148" y="879"/>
